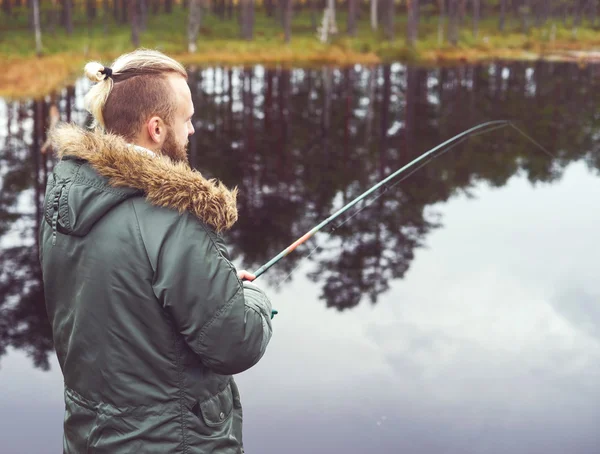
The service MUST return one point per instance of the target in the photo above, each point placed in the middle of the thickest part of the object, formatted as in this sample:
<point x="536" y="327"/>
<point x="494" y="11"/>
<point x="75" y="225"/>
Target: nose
<point x="191" y="130"/>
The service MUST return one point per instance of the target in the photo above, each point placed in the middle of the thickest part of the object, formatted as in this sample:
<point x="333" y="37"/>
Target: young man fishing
<point x="150" y="319"/>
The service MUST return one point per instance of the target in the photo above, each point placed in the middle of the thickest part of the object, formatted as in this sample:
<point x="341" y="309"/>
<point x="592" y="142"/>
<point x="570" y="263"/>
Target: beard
<point x="173" y="149"/>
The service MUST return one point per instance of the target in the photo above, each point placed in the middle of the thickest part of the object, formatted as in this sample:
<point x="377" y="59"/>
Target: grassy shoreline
<point x="25" y="75"/>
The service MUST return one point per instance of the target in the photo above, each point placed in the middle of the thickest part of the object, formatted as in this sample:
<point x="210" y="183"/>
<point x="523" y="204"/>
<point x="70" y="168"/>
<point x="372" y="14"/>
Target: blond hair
<point x="131" y="90"/>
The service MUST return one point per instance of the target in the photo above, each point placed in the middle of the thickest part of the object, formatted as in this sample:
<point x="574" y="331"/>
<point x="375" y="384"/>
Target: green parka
<point x="149" y="318"/>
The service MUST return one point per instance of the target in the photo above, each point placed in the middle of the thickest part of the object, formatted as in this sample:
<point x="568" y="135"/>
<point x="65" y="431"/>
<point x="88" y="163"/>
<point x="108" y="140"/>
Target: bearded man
<point x="150" y="319"/>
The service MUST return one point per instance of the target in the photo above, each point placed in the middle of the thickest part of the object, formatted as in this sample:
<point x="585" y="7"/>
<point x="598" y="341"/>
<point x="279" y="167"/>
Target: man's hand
<point x="246" y="276"/>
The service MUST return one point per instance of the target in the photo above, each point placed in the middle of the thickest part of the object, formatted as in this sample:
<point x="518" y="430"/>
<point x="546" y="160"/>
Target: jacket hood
<point x="98" y="170"/>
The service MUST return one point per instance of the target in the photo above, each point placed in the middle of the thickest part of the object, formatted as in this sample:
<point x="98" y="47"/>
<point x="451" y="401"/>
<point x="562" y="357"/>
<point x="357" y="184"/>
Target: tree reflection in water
<point x="299" y="144"/>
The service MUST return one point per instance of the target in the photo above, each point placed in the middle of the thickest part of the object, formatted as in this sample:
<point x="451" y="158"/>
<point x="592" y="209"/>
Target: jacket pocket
<point x="217" y="409"/>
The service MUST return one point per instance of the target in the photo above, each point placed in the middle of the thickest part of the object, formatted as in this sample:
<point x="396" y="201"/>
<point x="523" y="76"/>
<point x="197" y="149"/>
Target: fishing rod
<point x="492" y="125"/>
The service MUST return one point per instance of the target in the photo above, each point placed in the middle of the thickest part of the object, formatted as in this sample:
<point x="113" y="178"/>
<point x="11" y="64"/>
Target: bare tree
<point x="502" y="15"/>
<point x="105" y="14"/>
<point x="135" y="22"/>
<point x="476" y="14"/>
<point x="194" y="23"/>
<point x="374" y="14"/>
<point x="413" y="26"/>
<point x="143" y="14"/>
<point x="453" y="22"/>
<point x="389" y="20"/>
<point x="352" y="17"/>
<point x="525" y="11"/>
<point x="6" y="7"/>
<point x="90" y="8"/>
<point x="247" y="18"/>
<point x="68" y="16"/>
<point x="287" y="19"/>
<point x="441" y="20"/>
<point x="36" y="27"/>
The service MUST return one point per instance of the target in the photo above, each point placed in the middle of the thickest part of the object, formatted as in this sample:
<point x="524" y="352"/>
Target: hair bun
<point x="93" y="70"/>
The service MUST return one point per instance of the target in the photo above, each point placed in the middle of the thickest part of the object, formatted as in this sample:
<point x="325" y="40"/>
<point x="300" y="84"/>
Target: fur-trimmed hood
<point x="164" y="182"/>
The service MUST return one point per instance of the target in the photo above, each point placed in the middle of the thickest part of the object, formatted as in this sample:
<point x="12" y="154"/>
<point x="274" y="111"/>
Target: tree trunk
<point x="453" y="24"/>
<point x="68" y="16"/>
<point x="143" y="15"/>
<point x="37" y="28"/>
<point x="593" y="12"/>
<point x="287" y="19"/>
<point x="441" y="20"/>
<point x="6" y="7"/>
<point x="90" y="9"/>
<point x="124" y="11"/>
<point x="389" y="20"/>
<point x="352" y="17"/>
<point x="54" y="18"/>
<point x="168" y="6"/>
<point x="525" y="13"/>
<point x="476" y="14"/>
<point x="194" y="23"/>
<point x="247" y="18"/>
<point x="313" y="14"/>
<point x="374" y="15"/>
<point x="135" y="22"/>
<point x="105" y="14"/>
<point x="502" y="15"/>
<point x="578" y="13"/>
<point x="269" y="7"/>
<point x="413" y="27"/>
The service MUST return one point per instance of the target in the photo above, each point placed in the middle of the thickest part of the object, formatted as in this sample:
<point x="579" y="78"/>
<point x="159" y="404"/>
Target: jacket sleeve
<point x="225" y="321"/>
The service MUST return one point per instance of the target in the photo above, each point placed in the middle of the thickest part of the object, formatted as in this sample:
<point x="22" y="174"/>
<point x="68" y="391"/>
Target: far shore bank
<point x="30" y="76"/>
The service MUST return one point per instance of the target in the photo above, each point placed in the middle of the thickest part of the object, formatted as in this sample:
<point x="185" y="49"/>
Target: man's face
<point x="180" y="127"/>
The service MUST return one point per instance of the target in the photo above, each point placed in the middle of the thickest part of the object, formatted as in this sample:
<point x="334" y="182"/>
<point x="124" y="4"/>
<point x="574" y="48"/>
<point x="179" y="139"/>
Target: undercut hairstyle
<point x="130" y="91"/>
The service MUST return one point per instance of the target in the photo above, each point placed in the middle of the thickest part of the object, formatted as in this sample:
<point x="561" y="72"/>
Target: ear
<point x="156" y="130"/>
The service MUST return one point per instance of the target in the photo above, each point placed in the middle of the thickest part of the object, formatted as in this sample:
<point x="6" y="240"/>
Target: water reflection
<point x="299" y="144"/>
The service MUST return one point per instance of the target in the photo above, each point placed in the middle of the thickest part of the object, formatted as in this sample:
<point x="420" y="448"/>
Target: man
<point x="149" y="317"/>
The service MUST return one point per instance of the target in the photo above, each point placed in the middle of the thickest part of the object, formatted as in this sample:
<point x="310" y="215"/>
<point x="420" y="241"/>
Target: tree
<point x="413" y="15"/>
<point x="502" y="15"/>
<point x="36" y="26"/>
<point x="90" y="6"/>
<point x="287" y="19"/>
<point x="68" y="16"/>
<point x="6" y="7"/>
<point x="135" y="22"/>
<point x="453" y="23"/>
<point x="441" y="20"/>
<point x="389" y="20"/>
<point x="373" y="14"/>
<point x="194" y="23"/>
<point x="352" y="17"/>
<point x="247" y="18"/>
<point x="476" y="14"/>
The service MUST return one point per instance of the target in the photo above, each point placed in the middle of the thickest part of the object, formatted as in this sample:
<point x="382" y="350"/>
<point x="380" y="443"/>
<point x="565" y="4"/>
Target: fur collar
<point x="164" y="182"/>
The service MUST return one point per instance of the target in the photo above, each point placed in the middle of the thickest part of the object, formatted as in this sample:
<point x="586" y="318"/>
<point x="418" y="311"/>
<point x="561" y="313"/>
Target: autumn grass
<point x="26" y="75"/>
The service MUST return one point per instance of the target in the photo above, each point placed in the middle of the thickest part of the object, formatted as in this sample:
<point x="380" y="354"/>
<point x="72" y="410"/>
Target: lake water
<point x="458" y="312"/>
